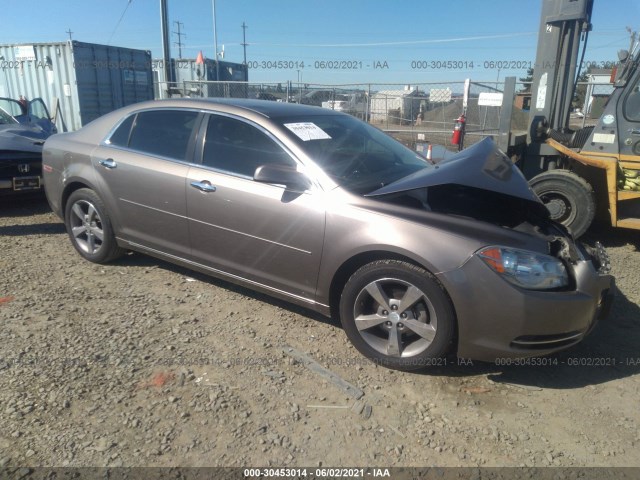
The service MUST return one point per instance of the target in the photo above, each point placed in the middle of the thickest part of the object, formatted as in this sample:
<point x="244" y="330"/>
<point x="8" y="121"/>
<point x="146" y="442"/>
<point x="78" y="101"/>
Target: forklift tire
<point x="568" y="197"/>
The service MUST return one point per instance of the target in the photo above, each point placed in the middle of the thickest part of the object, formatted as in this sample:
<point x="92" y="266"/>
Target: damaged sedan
<point x="416" y="259"/>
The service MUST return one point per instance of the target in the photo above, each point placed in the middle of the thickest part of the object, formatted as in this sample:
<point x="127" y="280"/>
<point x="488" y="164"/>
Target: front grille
<point x="11" y="164"/>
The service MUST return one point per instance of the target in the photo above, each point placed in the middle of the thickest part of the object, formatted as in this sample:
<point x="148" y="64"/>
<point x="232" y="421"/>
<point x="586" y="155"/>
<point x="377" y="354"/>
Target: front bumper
<point x="498" y="320"/>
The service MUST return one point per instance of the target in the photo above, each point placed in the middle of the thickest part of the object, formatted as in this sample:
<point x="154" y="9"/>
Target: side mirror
<point x="282" y="175"/>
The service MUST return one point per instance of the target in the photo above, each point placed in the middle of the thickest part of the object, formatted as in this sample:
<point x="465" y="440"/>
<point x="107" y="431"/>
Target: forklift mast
<point x="562" y="25"/>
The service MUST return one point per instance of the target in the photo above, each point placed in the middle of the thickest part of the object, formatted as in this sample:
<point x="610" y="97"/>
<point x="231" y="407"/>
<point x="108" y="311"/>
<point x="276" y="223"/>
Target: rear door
<point x="264" y="233"/>
<point x="141" y="170"/>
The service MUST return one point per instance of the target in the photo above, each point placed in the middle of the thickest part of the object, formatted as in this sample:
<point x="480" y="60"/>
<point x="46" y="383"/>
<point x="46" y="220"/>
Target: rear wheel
<point x="568" y="197"/>
<point x="89" y="227"/>
<point x="397" y="314"/>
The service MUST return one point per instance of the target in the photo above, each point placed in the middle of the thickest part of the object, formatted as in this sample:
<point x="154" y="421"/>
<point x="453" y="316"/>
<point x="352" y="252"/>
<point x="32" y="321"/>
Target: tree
<point x="527" y="81"/>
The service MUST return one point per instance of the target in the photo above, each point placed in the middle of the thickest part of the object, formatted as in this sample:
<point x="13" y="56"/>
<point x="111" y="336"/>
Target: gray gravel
<point x="140" y="363"/>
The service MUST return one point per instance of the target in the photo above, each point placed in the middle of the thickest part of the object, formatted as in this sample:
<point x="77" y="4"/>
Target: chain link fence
<point x="416" y="114"/>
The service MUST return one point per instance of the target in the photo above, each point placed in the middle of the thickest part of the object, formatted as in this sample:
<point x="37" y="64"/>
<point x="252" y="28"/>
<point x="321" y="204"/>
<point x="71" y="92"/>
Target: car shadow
<point x="134" y="259"/>
<point x="611" y="237"/>
<point x="20" y="207"/>
<point x="24" y="205"/>
<point x="32" y="229"/>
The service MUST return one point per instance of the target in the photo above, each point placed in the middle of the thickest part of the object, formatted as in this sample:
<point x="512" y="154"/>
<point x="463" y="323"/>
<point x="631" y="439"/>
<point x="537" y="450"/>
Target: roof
<point x="265" y="108"/>
<point x="395" y="93"/>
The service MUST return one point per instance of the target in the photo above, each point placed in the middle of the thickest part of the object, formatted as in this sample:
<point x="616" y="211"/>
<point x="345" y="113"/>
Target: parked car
<point x="316" y="97"/>
<point x="266" y="96"/>
<point x="355" y="104"/>
<point x="328" y="212"/>
<point x="20" y="156"/>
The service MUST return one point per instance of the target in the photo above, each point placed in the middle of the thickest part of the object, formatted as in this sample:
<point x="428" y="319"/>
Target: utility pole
<point x="166" y="56"/>
<point x="244" y="41"/>
<point x="215" y="40"/>
<point x="69" y="32"/>
<point x="180" y="35"/>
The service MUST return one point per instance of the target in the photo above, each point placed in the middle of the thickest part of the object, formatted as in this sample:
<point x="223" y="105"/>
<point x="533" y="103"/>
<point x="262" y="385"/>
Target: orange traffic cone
<point x="429" y="152"/>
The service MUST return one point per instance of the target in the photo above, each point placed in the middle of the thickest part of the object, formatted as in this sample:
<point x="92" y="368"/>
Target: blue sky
<point x="378" y="41"/>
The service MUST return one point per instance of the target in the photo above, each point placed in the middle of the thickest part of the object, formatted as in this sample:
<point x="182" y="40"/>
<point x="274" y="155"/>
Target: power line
<point x="180" y="35"/>
<point x="118" y="24"/>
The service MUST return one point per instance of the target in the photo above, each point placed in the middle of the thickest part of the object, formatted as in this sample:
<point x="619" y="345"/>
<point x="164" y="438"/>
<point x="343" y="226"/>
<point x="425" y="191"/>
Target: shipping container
<point x="78" y="81"/>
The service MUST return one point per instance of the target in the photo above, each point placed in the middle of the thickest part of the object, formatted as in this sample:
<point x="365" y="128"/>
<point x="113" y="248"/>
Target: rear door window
<point x="120" y="137"/>
<point x="164" y="133"/>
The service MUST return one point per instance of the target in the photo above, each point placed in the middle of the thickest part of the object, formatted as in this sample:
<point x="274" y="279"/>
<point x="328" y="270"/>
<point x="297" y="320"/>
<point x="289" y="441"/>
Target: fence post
<point x="508" y="95"/>
<point x="386" y="108"/>
<point x="368" y="105"/>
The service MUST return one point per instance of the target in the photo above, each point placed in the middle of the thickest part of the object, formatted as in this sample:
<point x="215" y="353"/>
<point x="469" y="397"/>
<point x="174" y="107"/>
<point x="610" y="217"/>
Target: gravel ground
<point x="141" y="363"/>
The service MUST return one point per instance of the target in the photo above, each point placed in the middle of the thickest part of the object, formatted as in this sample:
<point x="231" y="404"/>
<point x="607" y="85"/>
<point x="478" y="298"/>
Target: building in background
<point x="398" y="106"/>
<point x="194" y="79"/>
<point x="78" y="81"/>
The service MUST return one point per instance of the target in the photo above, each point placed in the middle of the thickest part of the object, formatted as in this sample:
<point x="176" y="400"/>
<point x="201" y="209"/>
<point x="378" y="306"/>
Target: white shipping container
<point x="82" y="81"/>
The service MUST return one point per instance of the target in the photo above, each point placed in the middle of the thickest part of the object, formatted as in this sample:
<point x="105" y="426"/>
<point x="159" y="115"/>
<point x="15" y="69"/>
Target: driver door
<point x="263" y="233"/>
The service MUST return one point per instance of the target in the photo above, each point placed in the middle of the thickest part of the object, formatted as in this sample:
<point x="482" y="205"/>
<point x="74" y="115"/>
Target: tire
<point x="89" y="227"/>
<point x="568" y="197"/>
<point x="397" y="336"/>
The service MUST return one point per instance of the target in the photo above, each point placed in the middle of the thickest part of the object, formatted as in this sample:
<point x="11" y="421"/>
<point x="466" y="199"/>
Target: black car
<point x="20" y="155"/>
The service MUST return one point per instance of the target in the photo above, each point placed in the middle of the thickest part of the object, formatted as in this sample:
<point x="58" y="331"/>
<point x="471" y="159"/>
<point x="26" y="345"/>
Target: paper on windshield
<point x="307" y="131"/>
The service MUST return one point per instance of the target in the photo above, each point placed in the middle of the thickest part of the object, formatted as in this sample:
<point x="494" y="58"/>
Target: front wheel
<point x="397" y="315"/>
<point x="89" y="227"/>
<point x="568" y="197"/>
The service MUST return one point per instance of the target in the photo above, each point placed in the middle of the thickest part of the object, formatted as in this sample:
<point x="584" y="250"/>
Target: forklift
<point x="588" y="173"/>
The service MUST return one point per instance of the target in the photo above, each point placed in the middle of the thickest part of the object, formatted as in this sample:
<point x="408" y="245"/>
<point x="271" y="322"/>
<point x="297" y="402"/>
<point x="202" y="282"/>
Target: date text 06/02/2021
<point x="357" y="473"/>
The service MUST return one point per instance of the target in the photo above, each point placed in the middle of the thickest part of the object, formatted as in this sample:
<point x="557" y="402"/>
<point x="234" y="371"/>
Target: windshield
<point x="6" y="119"/>
<point x="359" y="157"/>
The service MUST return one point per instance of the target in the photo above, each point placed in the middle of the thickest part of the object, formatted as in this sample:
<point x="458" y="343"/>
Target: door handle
<point x="203" y="186"/>
<point x="635" y="131"/>
<point x="108" y="163"/>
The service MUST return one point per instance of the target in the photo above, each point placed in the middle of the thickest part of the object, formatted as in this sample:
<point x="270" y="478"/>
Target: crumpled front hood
<point x="22" y="138"/>
<point x="481" y="166"/>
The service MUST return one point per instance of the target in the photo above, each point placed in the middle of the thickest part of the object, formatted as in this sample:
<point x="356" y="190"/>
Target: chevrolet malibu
<point x="416" y="259"/>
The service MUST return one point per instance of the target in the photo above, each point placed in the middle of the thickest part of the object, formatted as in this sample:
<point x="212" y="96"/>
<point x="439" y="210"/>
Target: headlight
<point x="526" y="269"/>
